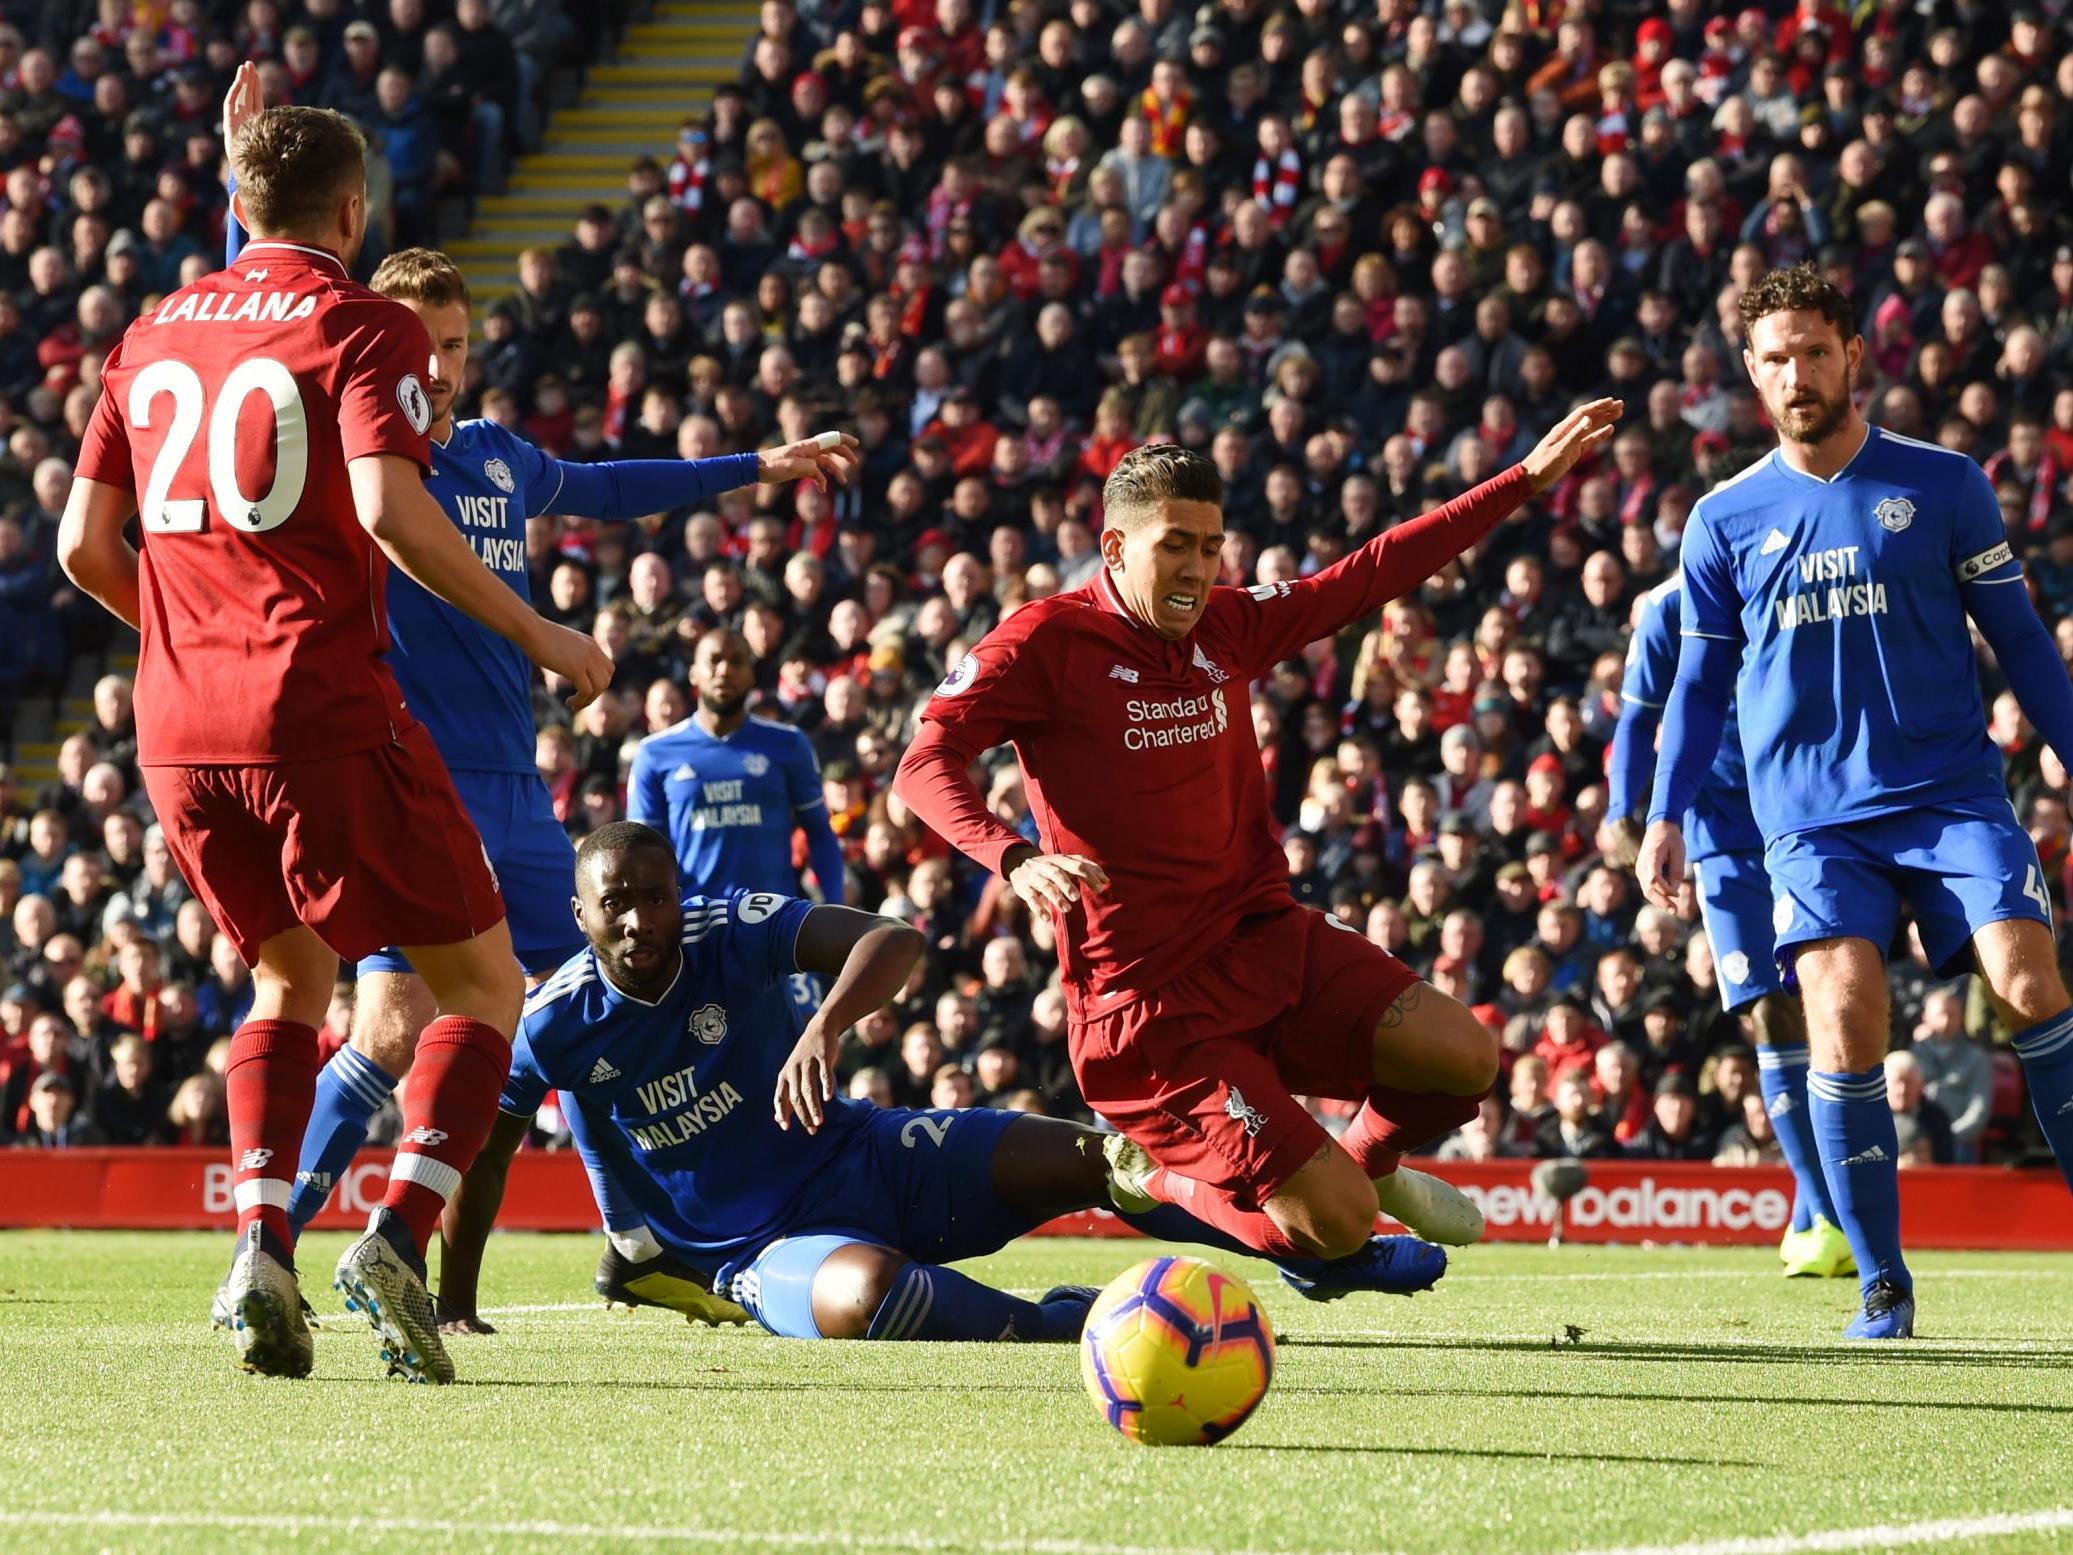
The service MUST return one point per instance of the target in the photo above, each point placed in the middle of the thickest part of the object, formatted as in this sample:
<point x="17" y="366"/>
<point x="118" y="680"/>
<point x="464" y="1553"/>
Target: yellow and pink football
<point x="1176" y="1354"/>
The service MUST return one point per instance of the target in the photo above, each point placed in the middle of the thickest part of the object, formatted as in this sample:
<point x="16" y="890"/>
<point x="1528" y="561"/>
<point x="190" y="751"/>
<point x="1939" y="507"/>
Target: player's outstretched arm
<point x="92" y="550"/>
<point x="869" y="958"/>
<point x="466" y="1224"/>
<point x="633" y="488"/>
<point x="825" y="457"/>
<point x="1400" y="560"/>
<point x="407" y="522"/>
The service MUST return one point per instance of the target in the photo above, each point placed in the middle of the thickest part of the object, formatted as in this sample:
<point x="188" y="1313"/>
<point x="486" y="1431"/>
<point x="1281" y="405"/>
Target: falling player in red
<point x="1201" y="997"/>
<point x="267" y="425"/>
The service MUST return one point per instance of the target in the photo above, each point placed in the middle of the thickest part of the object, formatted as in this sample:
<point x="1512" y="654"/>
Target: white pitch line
<point x="474" y="1532"/>
<point x="1883" y="1537"/>
<point x="1735" y="1274"/>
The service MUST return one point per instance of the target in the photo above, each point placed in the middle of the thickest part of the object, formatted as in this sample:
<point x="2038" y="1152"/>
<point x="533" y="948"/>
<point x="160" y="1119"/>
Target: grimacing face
<point x="1164" y="565"/>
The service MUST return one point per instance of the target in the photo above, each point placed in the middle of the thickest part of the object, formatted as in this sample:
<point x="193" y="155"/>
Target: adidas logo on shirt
<point x="1872" y="1157"/>
<point x="1773" y="543"/>
<point x="683" y="774"/>
<point x="601" y="1071"/>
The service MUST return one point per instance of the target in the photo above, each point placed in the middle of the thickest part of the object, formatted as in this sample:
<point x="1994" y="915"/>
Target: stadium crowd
<point x="1361" y="255"/>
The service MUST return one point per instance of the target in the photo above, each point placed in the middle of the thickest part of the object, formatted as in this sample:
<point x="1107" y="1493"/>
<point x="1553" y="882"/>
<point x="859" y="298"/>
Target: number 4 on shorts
<point x="2033" y="888"/>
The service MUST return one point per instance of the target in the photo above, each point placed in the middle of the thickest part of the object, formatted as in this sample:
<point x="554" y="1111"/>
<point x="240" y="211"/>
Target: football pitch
<point x="1557" y="1400"/>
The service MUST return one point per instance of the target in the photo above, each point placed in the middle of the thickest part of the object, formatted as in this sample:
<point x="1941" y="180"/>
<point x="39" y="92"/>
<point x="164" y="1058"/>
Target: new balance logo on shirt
<point x="1123" y="673"/>
<point x="601" y="1071"/>
<point x="1773" y="543"/>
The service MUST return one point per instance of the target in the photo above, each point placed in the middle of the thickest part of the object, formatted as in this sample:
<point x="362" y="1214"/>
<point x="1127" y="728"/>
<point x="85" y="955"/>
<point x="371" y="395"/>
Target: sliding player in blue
<point x="1838" y="573"/>
<point x="469" y="688"/>
<point x="674" y="1036"/>
<point x="1734" y="896"/>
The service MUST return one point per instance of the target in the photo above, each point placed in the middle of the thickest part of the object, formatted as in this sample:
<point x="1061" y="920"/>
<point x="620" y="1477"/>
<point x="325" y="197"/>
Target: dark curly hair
<point x="1800" y="289"/>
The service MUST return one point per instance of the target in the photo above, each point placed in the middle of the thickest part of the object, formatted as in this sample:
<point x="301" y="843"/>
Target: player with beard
<point x="1826" y="588"/>
<point x="1202" y="998"/>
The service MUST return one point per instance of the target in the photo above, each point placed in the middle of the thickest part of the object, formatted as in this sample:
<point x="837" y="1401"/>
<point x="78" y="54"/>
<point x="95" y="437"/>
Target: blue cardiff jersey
<point x="1720" y="820"/>
<point x="1858" y="693"/>
<point x="727" y="805"/>
<point x="687" y="1082"/>
<point x="471" y="688"/>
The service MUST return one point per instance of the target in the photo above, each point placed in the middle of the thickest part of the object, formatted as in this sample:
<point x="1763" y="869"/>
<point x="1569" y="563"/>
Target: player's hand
<point x="1620" y="842"/>
<point x="451" y="1322"/>
<point x="575" y="658"/>
<point x="1052" y="882"/>
<point x="807" y="1080"/>
<point x="1584" y="430"/>
<point x="829" y="456"/>
<point x="1660" y="866"/>
<point x="243" y="101"/>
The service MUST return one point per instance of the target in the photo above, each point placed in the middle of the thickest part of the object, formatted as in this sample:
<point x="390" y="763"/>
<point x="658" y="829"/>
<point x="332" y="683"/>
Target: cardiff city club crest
<point x="499" y="474"/>
<point x="1894" y="514"/>
<point x="755" y="764"/>
<point x="709" y="1024"/>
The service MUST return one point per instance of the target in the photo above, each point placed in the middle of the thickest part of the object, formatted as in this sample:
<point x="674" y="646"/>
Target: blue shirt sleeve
<point x="539" y="474"/>
<point x="810" y="809"/>
<point x="1712" y="598"/>
<point x="645" y="800"/>
<point x="762" y="932"/>
<point x="633" y="488"/>
<point x="526" y="1087"/>
<point x="1980" y="552"/>
<point x="1651" y="670"/>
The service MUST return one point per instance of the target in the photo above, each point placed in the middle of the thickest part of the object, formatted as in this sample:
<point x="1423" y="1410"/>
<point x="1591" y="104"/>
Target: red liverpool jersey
<point x="231" y="411"/>
<point x="1138" y="752"/>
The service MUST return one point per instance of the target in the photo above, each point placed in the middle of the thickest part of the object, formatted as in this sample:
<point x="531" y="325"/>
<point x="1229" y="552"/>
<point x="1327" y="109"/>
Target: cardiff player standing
<point x="1734" y="897"/>
<point x="267" y="425"/>
<point x="1837" y="573"/>
<point x="1201" y="996"/>
<point x="673" y="1034"/>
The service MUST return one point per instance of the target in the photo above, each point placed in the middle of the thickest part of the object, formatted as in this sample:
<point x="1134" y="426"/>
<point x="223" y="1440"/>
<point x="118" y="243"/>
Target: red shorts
<point x="369" y="850"/>
<point x="1205" y="1071"/>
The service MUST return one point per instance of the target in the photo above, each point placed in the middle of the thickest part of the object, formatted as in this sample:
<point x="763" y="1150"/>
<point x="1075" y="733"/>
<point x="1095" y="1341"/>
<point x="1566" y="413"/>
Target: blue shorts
<point x="1735" y="907"/>
<point x="535" y="865"/>
<point x="920" y="1182"/>
<point x="1957" y="867"/>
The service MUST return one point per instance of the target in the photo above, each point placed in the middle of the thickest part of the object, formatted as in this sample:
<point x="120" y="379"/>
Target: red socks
<point x="270" y="1084"/>
<point x="1219" y="1208"/>
<point x="449" y="1103"/>
<point x="1393" y="1121"/>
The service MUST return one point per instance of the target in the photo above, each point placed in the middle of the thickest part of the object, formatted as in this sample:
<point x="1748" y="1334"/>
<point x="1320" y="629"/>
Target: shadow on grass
<point x="1385" y="1449"/>
<point x="1897" y="1354"/>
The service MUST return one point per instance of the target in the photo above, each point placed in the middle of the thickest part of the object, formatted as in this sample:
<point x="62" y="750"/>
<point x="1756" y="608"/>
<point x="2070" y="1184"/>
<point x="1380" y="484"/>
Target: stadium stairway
<point x="667" y="67"/>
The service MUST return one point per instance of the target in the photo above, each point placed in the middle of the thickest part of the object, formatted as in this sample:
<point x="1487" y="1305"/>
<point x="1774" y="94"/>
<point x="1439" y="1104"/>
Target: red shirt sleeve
<point x="999" y="689"/>
<point x="1271" y="621"/>
<point x="104" y="449"/>
<point x="383" y="408"/>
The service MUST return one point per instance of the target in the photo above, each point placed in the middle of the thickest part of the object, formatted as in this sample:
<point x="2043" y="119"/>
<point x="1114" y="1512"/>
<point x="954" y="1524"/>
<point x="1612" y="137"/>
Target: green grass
<point x="1706" y="1399"/>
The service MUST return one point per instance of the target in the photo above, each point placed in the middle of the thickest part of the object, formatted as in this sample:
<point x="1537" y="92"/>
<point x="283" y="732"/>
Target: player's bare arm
<point x="415" y="533"/>
<point x="828" y="456"/>
<point x="92" y="550"/>
<point x="1584" y="430"/>
<point x="470" y="1215"/>
<point x="868" y="958"/>
<point x="1051" y="882"/>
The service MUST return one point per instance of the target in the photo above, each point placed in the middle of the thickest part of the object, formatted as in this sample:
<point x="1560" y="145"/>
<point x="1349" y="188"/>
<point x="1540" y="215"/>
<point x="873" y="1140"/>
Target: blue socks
<point x="1782" y="1072"/>
<point x="2046" y="1050"/>
<point x="350" y="1091"/>
<point x="928" y="1301"/>
<point x="1860" y="1157"/>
